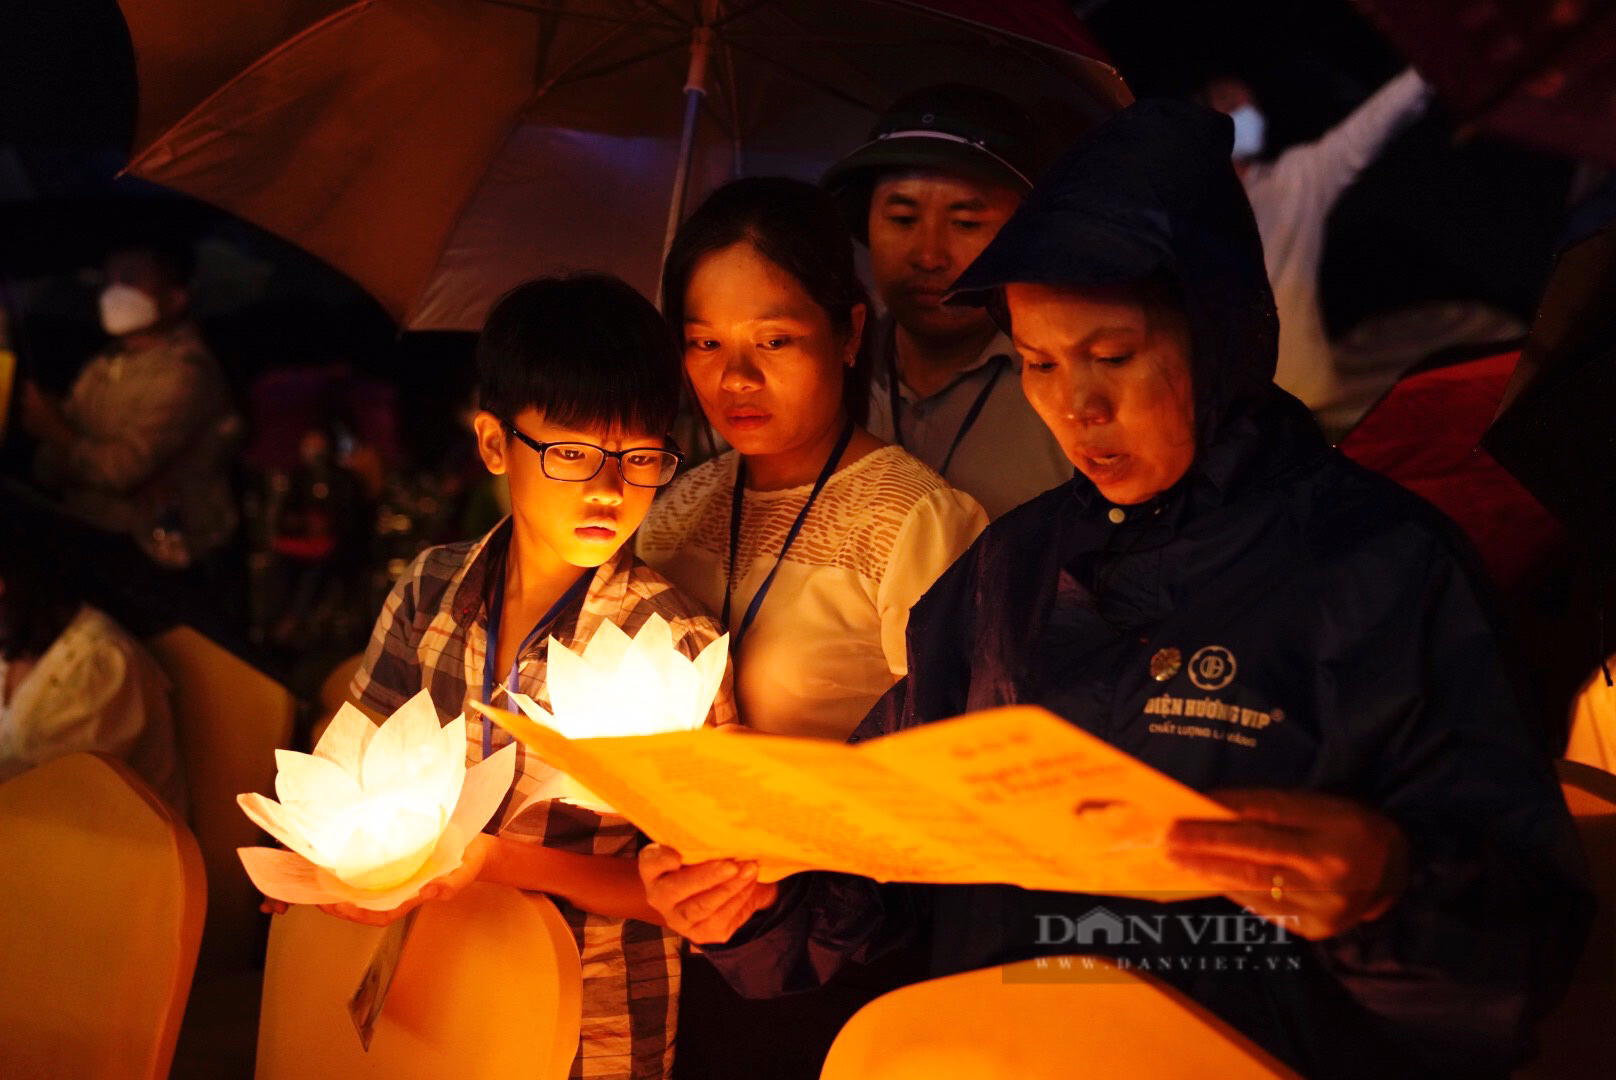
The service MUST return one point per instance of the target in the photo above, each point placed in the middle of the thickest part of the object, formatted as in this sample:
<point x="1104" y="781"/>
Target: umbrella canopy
<point x="441" y="151"/>
<point x="1536" y="73"/>
<point x="1554" y="429"/>
<point x="1424" y="435"/>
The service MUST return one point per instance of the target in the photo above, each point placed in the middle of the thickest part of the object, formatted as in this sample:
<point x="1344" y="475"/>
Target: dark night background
<point x="1429" y="220"/>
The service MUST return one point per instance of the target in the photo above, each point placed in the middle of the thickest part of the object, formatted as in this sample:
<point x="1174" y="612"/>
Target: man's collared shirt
<point x="1006" y="456"/>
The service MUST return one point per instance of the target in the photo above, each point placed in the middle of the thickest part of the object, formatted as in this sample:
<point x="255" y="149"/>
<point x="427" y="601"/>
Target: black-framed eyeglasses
<point x="576" y="462"/>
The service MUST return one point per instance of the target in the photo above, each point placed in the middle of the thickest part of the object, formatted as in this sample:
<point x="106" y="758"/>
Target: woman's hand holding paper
<point x="1316" y="864"/>
<point x="705" y="902"/>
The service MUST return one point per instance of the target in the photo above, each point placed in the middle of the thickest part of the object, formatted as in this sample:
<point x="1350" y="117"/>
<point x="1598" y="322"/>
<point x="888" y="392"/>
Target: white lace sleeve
<point x="937" y="531"/>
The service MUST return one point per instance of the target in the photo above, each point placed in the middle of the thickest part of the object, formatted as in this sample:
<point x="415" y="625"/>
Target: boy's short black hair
<point x="586" y="350"/>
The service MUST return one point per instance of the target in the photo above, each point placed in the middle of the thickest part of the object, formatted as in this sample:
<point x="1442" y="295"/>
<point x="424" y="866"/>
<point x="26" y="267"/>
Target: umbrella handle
<point x="701" y="43"/>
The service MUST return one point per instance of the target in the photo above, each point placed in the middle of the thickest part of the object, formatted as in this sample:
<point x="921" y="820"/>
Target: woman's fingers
<point x="670" y="883"/>
<point x="1236" y="873"/>
<point x="1317" y="864"/>
<point x="700" y="901"/>
<point x="1279" y="893"/>
<point x="697" y="908"/>
<point x="1249" y="840"/>
<point x="1299" y="809"/>
<point x="725" y="919"/>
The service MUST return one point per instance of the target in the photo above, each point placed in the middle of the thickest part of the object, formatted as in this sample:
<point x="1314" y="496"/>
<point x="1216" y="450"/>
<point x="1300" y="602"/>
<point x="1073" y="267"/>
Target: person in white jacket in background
<point x="72" y="679"/>
<point x="1292" y="197"/>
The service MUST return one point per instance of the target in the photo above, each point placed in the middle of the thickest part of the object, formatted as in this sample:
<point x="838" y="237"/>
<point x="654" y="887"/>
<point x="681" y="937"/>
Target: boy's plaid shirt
<point x="432" y="634"/>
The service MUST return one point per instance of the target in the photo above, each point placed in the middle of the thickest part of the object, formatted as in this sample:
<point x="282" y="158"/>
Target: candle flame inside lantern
<point x="619" y="686"/>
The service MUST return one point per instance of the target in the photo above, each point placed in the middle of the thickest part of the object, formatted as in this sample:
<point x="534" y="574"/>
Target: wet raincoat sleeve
<point x="1489" y="926"/>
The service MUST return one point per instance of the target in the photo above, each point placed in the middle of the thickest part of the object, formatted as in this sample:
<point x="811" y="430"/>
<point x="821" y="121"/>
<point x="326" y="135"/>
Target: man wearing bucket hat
<point x="944" y="167"/>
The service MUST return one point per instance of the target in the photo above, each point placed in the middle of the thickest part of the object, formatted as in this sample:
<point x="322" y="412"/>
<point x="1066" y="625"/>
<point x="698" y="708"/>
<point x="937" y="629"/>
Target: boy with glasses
<point x="579" y="379"/>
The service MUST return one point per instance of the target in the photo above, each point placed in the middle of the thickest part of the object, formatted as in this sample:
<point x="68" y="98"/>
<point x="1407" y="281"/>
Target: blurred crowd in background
<point x="343" y="441"/>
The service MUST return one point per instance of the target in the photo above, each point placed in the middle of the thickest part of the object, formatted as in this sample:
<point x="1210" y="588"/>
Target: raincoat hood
<point x="1152" y="191"/>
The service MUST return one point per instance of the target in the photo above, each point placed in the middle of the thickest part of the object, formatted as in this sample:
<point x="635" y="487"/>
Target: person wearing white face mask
<point x="1292" y="196"/>
<point x="141" y="443"/>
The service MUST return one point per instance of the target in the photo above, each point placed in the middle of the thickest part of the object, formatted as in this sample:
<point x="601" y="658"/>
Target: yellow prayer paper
<point x="1011" y="796"/>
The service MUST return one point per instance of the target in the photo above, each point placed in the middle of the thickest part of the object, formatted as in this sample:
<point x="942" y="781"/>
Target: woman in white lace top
<point x="837" y="533"/>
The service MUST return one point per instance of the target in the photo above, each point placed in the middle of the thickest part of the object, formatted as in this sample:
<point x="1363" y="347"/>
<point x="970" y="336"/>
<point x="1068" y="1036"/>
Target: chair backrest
<point x="101" y="903"/>
<point x="334" y="687"/>
<point x="1579" y="1037"/>
<point x="229" y="718"/>
<point x="334" y="695"/>
<point x="489" y="985"/>
<point x="1035" y="1021"/>
<point x="1592" y="738"/>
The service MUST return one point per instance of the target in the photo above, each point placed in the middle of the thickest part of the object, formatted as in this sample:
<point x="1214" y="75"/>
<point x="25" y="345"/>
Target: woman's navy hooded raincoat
<point x="1330" y="633"/>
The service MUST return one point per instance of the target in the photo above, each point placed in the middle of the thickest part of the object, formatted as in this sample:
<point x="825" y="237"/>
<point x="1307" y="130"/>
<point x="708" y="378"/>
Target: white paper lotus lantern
<point x="375" y="812"/>
<point x="624" y="686"/>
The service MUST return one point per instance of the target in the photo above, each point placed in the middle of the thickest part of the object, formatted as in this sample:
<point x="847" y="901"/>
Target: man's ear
<point x="492" y="446"/>
<point x="856" y="333"/>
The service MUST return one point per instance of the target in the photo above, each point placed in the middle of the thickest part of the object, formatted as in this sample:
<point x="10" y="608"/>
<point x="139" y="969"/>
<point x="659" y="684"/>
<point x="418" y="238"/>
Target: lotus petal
<point x="325" y="826"/>
<point x="345" y="738"/>
<point x="571" y="791"/>
<point x="287" y="876"/>
<point x="454" y="743"/>
<point x="535" y="712"/>
<point x="620" y="686"/>
<point x="710" y="665"/>
<point x="387" y="851"/>
<point x="308" y="778"/>
<point x="485" y="786"/>
<point x="272" y="817"/>
<point x="606" y="648"/>
<point x="405" y="748"/>
<point x="654" y="641"/>
<point x="574" y="688"/>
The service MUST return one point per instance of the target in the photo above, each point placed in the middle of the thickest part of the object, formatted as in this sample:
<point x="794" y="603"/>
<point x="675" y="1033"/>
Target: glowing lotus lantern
<point x="624" y="686"/>
<point x="375" y="812"/>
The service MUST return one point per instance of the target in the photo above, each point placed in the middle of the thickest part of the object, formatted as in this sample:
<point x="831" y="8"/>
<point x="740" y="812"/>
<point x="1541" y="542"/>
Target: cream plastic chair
<point x="1578" y="1039"/>
<point x="1030" y="1022"/>
<point x="229" y="719"/>
<point x="1592" y="739"/>
<point x="101" y="904"/>
<point x="334" y="694"/>
<point x="489" y="985"/>
<point x="334" y="687"/>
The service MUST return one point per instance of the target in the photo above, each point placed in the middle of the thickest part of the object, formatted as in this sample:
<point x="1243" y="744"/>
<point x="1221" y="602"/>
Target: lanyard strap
<point x="895" y="400"/>
<point x="796" y="527"/>
<point x="496" y="606"/>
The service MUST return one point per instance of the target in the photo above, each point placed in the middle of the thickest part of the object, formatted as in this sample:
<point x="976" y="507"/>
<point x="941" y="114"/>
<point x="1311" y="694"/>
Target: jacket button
<point x="1117" y="516"/>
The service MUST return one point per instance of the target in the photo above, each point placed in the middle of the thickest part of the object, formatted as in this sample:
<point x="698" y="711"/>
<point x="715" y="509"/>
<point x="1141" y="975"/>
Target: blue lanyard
<point x="496" y="605"/>
<point x="796" y="527"/>
<point x="895" y="404"/>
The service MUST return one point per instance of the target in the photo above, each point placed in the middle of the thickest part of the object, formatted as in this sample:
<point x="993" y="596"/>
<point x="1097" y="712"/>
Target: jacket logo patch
<point x="1212" y="667"/>
<point x="1165" y="664"/>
